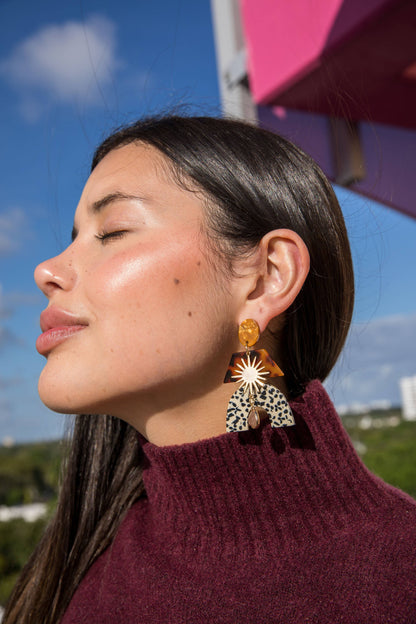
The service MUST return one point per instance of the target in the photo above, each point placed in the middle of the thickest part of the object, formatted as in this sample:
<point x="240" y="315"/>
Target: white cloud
<point x="13" y="230"/>
<point x="69" y="62"/>
<point x="12" y="300"/>
<point x="375" y="357"/>
<point x="8" y="382"/>
<point x="9" y="302"/>
<point x="8" y="338"/>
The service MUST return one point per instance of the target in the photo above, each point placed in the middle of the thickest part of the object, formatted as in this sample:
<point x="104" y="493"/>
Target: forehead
<point x="140" y="171"/>
<point x="138" y="180"/>
<point x="130" y="168"/>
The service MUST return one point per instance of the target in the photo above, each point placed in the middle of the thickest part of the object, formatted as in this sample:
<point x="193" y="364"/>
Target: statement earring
<point x="251" y="368"/>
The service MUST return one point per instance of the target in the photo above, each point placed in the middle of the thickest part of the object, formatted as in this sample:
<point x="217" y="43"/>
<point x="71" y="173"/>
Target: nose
<point x="55" y="274"/>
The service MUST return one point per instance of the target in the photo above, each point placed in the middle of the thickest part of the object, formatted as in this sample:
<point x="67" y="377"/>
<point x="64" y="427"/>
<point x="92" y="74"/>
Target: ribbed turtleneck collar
<point x="266" y="483"/>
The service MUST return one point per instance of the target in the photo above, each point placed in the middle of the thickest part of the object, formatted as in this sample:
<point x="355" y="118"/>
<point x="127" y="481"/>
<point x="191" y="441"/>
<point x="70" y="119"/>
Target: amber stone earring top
<point x="248" y="332"/>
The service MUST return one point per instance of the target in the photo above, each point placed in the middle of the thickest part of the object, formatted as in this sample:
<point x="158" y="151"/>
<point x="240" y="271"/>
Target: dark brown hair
<point x="253" y="181"/>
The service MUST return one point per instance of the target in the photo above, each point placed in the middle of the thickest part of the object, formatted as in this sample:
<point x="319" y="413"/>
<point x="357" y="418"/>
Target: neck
<point x="195" y="419"/>
<point x="199" y="417"/>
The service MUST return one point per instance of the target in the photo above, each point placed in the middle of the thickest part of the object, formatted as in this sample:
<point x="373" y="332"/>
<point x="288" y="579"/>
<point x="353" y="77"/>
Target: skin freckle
<point x="189" y="313"/>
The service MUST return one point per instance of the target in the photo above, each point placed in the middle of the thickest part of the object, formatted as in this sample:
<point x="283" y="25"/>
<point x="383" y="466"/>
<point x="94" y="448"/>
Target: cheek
<point x="152" y="288"/>
<point x="159" y="310"/>
<point x="159" y="316"/>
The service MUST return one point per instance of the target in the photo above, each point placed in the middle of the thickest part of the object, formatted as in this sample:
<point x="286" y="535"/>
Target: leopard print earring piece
<point x="251" y="368"/>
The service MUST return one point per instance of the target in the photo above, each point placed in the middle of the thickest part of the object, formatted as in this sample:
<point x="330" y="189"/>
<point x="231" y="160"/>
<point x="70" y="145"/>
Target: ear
<point x="281" y="265"/>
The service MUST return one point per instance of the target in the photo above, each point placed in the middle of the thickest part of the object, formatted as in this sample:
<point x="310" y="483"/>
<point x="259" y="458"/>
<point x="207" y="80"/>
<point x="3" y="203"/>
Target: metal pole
<point x="231" y="61"/>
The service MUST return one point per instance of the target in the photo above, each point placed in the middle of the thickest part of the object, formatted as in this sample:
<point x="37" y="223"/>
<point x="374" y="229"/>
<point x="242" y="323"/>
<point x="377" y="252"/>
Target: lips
<point x="57" y="325"/>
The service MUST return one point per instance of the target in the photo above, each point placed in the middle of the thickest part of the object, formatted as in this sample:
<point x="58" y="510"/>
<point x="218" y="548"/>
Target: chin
<point x="60" y="397"/>
<point x="68" y="388"/>
<point x="61" y="407"/>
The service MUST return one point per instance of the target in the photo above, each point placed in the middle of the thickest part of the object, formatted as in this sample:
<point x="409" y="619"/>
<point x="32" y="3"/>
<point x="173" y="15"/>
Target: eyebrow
<point x="99" y="205"/>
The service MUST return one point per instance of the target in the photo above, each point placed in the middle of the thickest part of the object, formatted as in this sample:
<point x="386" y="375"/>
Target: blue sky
<point x="71" y="72"/>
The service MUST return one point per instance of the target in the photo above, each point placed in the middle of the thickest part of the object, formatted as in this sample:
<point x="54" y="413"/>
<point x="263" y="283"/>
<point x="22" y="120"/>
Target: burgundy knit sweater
<point x="268" y="526"/>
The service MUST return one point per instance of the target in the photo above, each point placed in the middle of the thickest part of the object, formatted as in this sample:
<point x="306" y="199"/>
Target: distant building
<point x="8" y="442"/>
<point x="408" y="390"/>
<point x="30" y="513"/>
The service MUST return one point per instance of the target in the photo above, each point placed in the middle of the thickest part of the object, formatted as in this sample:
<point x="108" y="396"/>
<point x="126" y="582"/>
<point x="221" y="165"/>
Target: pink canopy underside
<point x="351" y="59"/>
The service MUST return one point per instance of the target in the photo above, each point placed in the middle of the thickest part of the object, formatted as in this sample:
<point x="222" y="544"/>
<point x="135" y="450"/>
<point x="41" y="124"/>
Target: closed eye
<point x="107" y="236"/>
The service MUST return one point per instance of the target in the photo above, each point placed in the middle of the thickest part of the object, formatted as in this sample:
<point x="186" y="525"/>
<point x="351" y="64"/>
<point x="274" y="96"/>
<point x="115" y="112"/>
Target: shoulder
<point x="396" y="523"/>
<point x="380" y="552"/>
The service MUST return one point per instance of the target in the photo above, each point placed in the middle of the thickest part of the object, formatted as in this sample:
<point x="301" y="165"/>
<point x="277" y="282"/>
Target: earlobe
<point x="283" y="265"/>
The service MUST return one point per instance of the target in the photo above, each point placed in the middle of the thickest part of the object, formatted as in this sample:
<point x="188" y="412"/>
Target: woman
<point x="188" y="229"/>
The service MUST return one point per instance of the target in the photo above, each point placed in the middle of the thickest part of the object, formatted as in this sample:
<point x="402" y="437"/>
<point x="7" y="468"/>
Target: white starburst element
<point x="251" y="374"/>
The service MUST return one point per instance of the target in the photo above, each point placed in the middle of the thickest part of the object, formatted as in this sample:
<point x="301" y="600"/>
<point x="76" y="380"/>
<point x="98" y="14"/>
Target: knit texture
<point x="266" y="526"/>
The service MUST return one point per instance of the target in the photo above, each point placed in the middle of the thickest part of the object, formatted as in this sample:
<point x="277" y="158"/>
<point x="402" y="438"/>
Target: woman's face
<point x="138" y="314"/>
